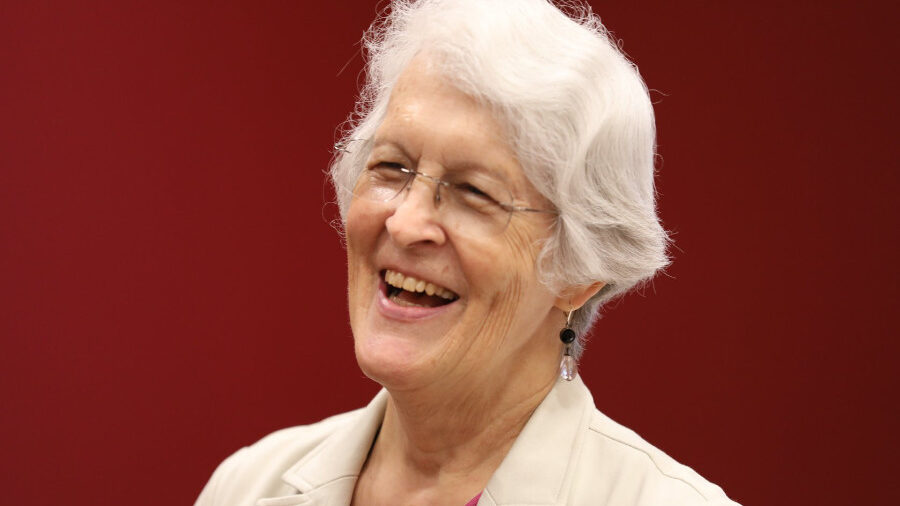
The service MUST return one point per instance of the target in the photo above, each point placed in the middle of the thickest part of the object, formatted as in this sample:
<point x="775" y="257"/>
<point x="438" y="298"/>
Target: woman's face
<point x="501" y="322"/>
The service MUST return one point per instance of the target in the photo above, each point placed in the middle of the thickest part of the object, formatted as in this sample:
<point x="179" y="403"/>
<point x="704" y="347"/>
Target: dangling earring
<point x="568" y="368"/>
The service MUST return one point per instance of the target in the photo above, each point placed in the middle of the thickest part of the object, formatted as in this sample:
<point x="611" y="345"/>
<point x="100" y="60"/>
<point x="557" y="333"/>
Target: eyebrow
<point x="378" y="144"/>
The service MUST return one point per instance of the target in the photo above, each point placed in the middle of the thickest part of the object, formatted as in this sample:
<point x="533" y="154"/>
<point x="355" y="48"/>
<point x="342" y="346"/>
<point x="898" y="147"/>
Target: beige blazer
<point x="568" y="454"/>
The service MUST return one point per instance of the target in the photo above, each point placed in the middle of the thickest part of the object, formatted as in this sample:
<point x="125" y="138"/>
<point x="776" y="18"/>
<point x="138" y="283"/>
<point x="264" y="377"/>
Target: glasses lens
<point x="382" y="183"/>
<point x="476" y="210"/>
<point x="472" y="208"/>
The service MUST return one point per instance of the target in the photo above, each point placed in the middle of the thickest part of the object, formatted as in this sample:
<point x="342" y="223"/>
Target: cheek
<point x="361" y="229"/>
<point x="508" y="282"/>
<point x="355" y="221"/>
<point x="361" y="234"/>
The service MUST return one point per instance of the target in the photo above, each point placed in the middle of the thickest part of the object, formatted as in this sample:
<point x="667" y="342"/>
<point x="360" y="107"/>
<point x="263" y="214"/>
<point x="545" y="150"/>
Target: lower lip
<point x="395" y="311"/>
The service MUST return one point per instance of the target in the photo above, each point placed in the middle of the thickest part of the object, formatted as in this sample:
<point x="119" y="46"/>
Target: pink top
<point x="474" y="500"/>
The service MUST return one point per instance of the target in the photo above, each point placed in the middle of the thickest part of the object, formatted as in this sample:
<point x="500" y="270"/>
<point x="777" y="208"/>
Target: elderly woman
<point x="496" y="188"/>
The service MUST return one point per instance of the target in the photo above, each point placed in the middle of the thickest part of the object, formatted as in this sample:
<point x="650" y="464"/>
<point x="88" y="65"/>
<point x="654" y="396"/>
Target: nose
<point x="416" y="218"/>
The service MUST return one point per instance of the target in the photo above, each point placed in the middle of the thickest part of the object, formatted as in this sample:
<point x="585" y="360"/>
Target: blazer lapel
<point x="327" y="475"/>
<point x="336" y="493"/>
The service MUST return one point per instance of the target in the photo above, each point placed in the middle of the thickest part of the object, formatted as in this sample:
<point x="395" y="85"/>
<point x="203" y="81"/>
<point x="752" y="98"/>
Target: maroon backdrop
<point x="170" y="287"/>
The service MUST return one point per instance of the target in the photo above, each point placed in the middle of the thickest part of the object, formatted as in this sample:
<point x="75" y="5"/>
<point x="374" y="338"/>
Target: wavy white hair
<point x="577" y="113"/>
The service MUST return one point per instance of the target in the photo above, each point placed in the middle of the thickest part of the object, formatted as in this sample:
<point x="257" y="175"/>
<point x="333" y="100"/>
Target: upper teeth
<point x="412" y="284"/>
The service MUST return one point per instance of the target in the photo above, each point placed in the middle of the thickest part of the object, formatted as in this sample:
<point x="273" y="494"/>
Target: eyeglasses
<point x="473" y="205"/>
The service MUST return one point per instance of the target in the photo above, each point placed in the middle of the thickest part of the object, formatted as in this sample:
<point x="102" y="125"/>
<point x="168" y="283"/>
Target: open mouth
<point x="411" y="292"/>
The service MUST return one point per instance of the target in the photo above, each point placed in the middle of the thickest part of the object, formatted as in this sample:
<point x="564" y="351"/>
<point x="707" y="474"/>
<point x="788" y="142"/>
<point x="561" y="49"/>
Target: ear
<point x="574" y="297"/>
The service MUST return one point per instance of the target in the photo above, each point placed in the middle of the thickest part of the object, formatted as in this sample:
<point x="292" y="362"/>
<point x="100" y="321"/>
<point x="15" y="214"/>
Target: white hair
<point x="577" y="113"/>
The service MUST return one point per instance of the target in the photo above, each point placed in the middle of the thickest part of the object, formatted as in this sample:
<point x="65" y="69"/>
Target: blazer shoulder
<point x="642" y="470"/>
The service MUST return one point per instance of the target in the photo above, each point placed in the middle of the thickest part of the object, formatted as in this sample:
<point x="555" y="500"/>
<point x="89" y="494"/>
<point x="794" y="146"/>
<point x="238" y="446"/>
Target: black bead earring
<point x="568" y="368"/>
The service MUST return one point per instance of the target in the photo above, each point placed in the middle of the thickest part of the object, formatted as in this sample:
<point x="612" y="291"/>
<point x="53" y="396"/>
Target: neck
<point x="459" y="433"/>
<point x="446" y="436"/>
<point x="441" y="440"/>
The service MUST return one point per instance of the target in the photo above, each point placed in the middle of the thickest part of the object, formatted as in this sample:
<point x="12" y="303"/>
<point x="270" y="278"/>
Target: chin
<point x="393" y="362"/>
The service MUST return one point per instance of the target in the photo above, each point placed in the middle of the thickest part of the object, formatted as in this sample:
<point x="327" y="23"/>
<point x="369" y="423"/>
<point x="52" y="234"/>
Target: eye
<point x="475" y="197"/>
<point x="387" y="166"/>
<point x="473" y="191"/>
<point x="388" y="172"/>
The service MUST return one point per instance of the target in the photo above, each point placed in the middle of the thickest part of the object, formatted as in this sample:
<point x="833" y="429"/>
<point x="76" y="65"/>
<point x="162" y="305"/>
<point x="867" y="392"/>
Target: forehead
<point x="431" y="121"/>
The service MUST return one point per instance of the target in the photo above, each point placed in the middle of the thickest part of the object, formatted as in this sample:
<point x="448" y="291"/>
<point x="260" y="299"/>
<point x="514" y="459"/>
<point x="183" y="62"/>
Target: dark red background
<point x="170" y="288"/>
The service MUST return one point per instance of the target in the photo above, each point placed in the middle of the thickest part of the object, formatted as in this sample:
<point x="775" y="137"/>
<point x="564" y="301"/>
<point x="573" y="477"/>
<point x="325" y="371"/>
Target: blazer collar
<point x="536" y="471"/>
<point x="336" y="462"/>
